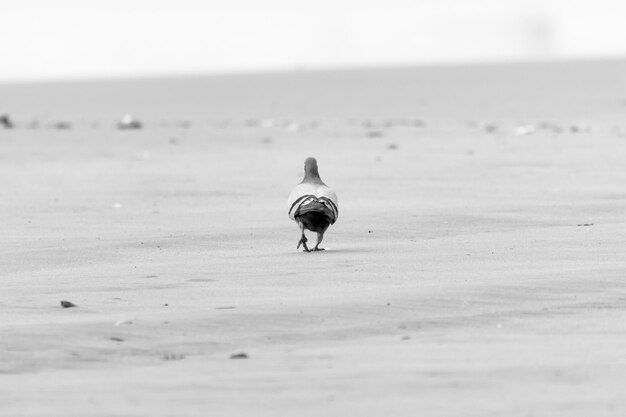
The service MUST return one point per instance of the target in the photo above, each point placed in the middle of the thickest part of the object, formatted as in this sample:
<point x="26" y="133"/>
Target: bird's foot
<point x="318" y="249"/>
<point x="303" y="243"/>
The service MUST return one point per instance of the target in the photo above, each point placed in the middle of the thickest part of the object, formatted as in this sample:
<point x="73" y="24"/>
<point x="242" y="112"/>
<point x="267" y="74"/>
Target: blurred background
<point x="68" y="39"/>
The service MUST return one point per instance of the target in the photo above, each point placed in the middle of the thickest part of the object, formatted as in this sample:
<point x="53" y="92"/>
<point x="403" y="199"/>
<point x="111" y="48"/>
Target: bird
<point x="312" y="205"/>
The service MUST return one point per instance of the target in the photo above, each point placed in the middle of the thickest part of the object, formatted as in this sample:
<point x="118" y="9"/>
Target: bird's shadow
<point x="330" y="251"/>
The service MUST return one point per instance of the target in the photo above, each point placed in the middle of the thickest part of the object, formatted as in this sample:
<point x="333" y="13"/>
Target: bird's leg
<point x="303" y="240"/>
<point x="320" y="237"/>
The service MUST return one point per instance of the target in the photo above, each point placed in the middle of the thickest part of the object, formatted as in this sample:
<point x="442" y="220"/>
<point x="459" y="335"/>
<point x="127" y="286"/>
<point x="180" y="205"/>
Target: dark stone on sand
<point x="6" y="121"/>
<point x="117" y="339"/>
<point x="239" y="356"/>
<point x="67" y="304"/>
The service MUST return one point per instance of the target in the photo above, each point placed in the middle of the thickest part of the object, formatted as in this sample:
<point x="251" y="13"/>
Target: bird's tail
<point x="319" y="207"/>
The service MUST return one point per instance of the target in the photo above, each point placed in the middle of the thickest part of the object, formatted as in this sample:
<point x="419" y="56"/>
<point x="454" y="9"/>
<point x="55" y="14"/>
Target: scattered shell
<point x="129" y="121"/>
<point x="293" y="127"/>
<point x="525" y="129"/>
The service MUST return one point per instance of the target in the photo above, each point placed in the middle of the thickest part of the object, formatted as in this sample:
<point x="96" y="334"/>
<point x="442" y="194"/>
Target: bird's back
<point x="310" y="197"/>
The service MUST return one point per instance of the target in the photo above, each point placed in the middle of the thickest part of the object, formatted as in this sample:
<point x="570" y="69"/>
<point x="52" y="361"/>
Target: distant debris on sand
<point x="62" y="125"/>
<point x="487" y="127"/>
<point x="128" y="121"/>
<point x="375" y="134"/>
<point x="239" y="356"/>
<point x="67" y="304"/>
<point x="550" y="127"/>
<point x="6" y="121"/>
<point x="579" y="128"/>
<point x="490" y="127"/>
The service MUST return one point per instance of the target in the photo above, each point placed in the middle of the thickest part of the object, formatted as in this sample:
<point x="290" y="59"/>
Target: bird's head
<point x="310" y="164"/>
<point x="311" y="172"/>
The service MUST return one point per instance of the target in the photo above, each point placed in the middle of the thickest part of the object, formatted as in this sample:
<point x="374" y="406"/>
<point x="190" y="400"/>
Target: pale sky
<point x="47" y="39"/>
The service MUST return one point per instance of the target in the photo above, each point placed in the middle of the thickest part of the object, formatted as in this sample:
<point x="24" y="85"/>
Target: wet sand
<point x="477" y="267"/>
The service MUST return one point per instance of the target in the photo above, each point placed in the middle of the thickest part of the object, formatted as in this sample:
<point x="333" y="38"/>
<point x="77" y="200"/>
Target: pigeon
<point x="312" y="205"/>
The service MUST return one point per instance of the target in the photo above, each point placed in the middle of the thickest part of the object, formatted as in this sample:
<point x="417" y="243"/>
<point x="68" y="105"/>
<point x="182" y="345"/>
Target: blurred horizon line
<point x="295" y="69"/>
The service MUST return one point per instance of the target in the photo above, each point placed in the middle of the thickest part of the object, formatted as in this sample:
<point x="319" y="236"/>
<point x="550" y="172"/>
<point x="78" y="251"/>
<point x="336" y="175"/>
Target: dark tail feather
<point x="317" y="207"/>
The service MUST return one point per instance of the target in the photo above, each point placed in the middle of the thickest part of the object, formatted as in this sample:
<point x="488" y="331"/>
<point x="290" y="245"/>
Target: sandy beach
<point x="476" y="269"/>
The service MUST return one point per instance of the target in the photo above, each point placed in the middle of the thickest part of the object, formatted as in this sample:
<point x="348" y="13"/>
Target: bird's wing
<point x="305" y="193"/>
